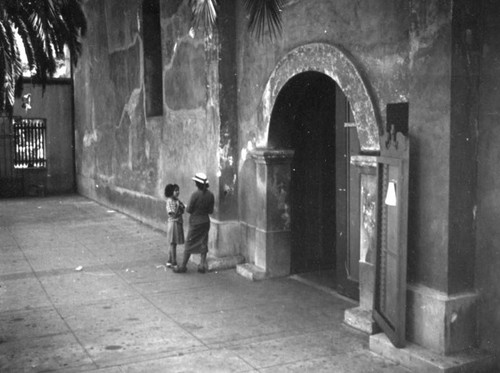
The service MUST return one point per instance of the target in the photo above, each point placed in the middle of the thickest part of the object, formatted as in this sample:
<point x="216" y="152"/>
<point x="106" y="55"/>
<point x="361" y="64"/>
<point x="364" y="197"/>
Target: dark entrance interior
<point x="309" y="117"/>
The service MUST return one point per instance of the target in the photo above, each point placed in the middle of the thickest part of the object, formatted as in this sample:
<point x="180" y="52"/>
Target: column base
<point x="219" y="263"/>
<point x="361" y="319"/>
<point x="441" y="322"/>
<point x="251" y="272"/>
<point x="419" y="359"/>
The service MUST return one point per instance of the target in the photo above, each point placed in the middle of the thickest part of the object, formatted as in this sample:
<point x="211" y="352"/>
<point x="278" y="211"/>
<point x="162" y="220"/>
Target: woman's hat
<point x="201" y="178"/>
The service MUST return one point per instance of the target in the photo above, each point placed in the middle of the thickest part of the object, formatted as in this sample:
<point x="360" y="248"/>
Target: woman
<point x="200" y="205"/>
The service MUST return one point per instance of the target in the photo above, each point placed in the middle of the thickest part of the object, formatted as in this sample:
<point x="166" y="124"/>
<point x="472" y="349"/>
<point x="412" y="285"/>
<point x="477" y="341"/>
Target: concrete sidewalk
<point x="84" y="289"/>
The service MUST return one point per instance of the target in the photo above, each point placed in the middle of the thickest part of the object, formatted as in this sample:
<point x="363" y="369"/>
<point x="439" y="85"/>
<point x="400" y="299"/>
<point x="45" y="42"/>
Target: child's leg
<point x="173" y="253"/>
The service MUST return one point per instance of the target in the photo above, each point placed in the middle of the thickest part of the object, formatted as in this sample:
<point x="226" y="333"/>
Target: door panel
<point x="389" y="310"/>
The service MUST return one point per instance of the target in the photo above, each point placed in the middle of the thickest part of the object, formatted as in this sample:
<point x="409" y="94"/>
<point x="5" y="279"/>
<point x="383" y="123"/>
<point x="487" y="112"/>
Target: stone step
<point x="361" y="319"/>
<point x="419" y="359"/>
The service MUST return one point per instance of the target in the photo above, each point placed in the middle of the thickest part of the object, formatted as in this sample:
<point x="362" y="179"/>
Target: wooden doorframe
<point x="11" y="180"/>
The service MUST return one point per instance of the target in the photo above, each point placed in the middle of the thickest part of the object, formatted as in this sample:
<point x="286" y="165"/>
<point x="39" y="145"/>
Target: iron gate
<point x="22" y="148"/>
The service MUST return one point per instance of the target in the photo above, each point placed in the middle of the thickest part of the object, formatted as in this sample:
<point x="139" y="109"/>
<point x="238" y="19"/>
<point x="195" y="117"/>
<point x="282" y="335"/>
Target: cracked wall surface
<point x="124" y="157"/>
<point x="218" y="94"/>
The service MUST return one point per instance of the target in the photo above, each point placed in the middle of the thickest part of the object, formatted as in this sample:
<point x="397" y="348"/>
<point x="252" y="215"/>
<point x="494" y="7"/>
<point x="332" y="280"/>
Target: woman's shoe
<point x="180" y="269"/>
<point x="202" y="269"/>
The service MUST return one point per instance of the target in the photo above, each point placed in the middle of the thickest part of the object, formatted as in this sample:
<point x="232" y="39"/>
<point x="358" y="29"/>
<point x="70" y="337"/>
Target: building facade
<point x="291" y="132"/>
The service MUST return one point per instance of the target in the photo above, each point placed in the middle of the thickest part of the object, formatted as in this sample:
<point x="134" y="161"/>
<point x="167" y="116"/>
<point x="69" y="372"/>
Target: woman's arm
<point x="191" y="204"/>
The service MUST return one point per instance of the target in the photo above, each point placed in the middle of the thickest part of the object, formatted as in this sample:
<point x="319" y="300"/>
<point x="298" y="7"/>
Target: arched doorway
<point x="309" y="117"/>
<point x="325" y="68"/>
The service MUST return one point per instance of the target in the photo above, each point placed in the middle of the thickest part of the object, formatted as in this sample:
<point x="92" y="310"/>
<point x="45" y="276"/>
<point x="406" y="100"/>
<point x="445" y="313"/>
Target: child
<point x="175" y="231"/>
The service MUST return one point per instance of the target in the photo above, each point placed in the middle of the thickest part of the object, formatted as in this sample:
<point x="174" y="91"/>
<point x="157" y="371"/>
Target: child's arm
<point x="171" y="207"/>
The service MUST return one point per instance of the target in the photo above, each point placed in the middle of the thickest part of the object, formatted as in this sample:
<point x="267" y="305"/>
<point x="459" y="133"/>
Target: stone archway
<point x="335" y="63"/>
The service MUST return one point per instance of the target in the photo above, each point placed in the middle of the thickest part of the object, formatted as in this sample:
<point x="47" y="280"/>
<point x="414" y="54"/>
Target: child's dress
<point x="175" y="230"/>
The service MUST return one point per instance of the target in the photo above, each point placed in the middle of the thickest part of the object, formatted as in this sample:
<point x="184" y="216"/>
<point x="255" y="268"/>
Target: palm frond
<point x="73" y="25"/>
<point x="3" y="98"/>
<point x="11" y="67"/>
<point x="204" y="14"/>
<point x="26" y="40"/>
<point x="264" y="13"/>
<point x="44" y="27"/>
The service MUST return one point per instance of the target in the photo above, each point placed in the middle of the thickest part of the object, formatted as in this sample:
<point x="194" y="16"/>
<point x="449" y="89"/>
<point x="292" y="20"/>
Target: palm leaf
<point x="44" y="28"/>
<point x="16" y="65"/>
<point x="204" y="14"/>
<point x="26" y="40"/>
<point x="11" y="67"/>
<point x="264" y="13"/>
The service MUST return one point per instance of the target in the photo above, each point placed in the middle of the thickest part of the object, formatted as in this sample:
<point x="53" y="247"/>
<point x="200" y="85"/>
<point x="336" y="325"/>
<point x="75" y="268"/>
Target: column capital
<point x="272" y="156"/>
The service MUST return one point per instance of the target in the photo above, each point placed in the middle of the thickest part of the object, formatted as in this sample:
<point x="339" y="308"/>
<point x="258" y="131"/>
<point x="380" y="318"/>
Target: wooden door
<point x="389" y="309"/>
<point x="347" y="193"/>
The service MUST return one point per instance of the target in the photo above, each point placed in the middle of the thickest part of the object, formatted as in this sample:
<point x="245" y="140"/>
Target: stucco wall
<point x="488" y="208"/>
<point x="405" y="51"/>
<point x="123" y="158"/>
<point x="54" y="103"/>
<point x="422" y="52"/>
<point x="373" y="35"/>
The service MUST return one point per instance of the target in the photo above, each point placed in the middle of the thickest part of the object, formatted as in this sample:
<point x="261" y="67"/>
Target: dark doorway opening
<point x="309" y="116"/>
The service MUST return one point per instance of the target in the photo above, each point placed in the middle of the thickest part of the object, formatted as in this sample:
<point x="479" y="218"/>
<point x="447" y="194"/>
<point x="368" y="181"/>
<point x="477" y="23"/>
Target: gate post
<point x="273" y="175"/>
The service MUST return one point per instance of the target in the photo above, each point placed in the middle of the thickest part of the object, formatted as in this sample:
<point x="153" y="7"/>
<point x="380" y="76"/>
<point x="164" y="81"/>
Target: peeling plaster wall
<point x="423" y="52"/>
<point x="488" y="204"/>
<point x="124" y="159"/>
<point x="213" y="117"/>
<point x="430" y="139"/>
<point x="373" y="36"/>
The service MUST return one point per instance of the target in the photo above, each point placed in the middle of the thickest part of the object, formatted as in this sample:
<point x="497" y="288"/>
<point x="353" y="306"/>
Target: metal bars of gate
<point x="30" y="149"/>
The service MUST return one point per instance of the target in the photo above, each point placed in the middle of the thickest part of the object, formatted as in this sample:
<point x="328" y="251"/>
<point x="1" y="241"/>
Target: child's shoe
<point x="169" y="264"/>
<point x="202" y="269"/>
